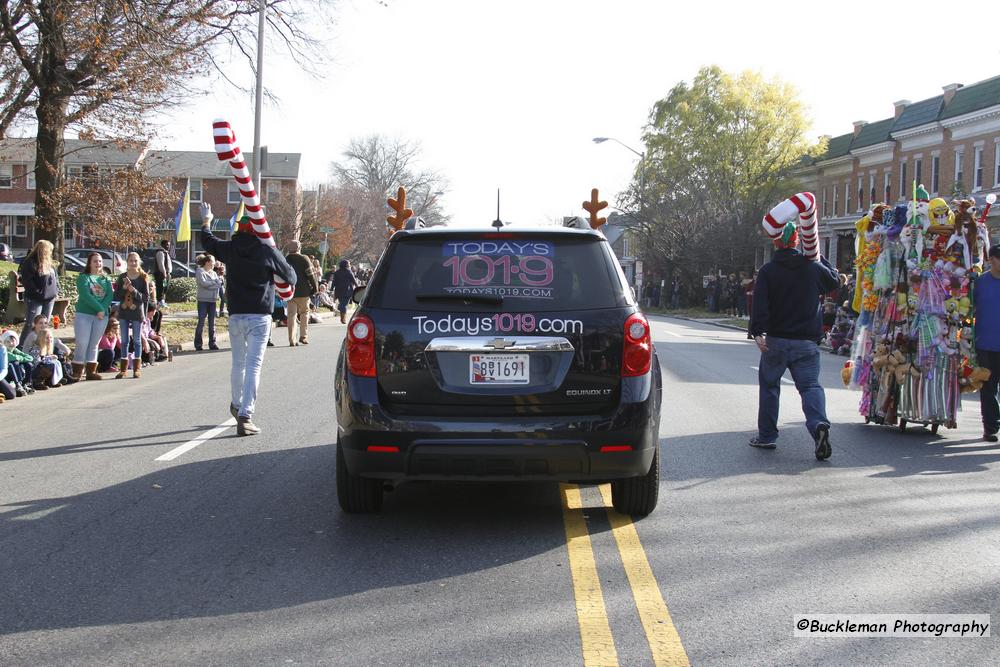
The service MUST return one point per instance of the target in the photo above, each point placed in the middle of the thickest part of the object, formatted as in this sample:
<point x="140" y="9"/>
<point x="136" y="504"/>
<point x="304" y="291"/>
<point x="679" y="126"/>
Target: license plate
<point x="498" y="369"/>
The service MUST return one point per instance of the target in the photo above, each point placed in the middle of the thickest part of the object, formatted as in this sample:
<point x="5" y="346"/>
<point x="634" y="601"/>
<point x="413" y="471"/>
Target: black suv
<point x="515" y="354"/>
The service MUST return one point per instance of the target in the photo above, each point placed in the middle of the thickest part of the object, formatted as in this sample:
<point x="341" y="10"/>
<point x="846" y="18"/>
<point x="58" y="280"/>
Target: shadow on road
<point x="254" y="532"/>
<point x="98" y="445"/>
<point x="917" y="452"/>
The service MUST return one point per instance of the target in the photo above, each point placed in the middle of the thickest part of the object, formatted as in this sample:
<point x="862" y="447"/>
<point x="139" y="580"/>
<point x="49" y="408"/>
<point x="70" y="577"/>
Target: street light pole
<point x="642" y="180"/>
<point x="255" y="166"/>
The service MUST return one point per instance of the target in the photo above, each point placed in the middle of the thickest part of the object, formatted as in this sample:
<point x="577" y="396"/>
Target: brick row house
<point x="950" y="143"/>
<point x="208" y="179"/>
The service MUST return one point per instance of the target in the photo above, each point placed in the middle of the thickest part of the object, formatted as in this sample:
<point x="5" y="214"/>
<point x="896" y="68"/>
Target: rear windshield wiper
<point x="481" y="298"/>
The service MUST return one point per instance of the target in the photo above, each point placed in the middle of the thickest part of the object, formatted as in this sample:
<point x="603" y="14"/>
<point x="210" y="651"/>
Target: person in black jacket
<point x="787" y="326"/>
<point x="251" y="267"/>
<point x="41" y="285"/>
<point x="344" y="284"/>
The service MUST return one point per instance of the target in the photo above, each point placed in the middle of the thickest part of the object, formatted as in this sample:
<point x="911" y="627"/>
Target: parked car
<point x="70" y="262"/>
<point x="178" y="268"/>
<point x="5" y="253"/>
<point x="498" y="355"/>
<point x="112" y="259"/>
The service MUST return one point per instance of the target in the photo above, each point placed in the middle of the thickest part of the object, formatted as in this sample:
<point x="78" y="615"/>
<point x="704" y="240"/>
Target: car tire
<point x="356" y="494"/>
<point x="637" y="496"/>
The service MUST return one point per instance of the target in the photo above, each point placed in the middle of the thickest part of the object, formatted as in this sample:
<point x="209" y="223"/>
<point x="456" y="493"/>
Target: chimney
<point x="858" y="124"/>
<point x="949" y="91"/>
<point x="900" y="106"/>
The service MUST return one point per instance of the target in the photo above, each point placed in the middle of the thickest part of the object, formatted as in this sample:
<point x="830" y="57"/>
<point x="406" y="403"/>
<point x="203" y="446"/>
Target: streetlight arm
<point x="601" y="140"/>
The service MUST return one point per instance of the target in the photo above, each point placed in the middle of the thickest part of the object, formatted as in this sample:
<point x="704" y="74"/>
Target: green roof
<point x="873" y="133"/>
<point x="919" y="113"/>
<point x="973" y="98"/>
<point x="838" y="146"/>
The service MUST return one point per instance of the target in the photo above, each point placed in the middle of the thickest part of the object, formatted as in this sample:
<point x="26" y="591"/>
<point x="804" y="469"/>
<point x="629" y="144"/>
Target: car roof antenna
<point x="498" y="223"/>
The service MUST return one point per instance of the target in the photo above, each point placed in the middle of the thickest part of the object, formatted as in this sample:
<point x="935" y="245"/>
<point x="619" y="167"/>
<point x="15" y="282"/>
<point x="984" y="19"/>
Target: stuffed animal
<point x="942" y="217"/>
<point x="972" y="379"/>
<point x="845" y="372"/>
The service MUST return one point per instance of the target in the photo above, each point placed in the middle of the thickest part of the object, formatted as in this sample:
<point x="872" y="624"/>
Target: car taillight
<point x="637" y="352"/>
<point x="361" y="346"/>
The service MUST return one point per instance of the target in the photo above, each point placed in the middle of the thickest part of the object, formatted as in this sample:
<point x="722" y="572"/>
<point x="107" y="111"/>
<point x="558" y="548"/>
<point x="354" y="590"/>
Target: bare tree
<point x="373" y="168"/>
<point x="96" y="202"/>
<point x="103" y="66"/>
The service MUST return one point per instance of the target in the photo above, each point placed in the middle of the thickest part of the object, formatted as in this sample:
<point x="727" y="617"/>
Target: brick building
<point x="208" y="178"/>
<point x="950" y="143"/>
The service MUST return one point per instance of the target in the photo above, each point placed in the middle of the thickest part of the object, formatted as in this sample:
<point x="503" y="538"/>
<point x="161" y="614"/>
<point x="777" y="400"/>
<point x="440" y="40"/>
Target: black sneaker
<point x="213" y="346"/>
<point x="823" y="449"/>
<point x="760" y="444"/>
<point x="246" y="427"/>
<point x="990" y="437"/>
<point x="234" y="410"/>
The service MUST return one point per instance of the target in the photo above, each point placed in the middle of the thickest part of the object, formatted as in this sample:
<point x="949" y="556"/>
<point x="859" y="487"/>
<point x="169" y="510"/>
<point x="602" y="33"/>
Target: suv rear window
<point x="528" y="273"/>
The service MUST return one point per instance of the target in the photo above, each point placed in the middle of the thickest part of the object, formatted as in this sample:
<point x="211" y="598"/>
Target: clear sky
<point x="510" y="93"/>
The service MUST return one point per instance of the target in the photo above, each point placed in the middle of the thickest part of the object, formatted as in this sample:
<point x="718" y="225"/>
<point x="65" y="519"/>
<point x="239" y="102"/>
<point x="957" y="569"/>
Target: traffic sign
<point x="327" y="230"/>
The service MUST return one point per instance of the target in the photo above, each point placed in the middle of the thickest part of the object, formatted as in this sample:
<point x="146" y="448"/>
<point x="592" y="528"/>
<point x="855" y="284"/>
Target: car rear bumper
<point x="510" y="448"/>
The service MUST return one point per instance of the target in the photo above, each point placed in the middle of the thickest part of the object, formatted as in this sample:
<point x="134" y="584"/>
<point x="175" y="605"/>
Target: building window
<point x="871" y="189"/>
<point x="74" y="172"/>
<point x="825" y="210"/>
<point x="273" y="191"/>
<point x="232" y="192"/>
<point x="935" y="174"/>
<point x="195" y="188"/>
<point x="996" y="168"/>
<point x="977" y="178"/>
<point x="836" y="198"/>
<point x="959" y="175"/>
<point x="902" y="178"/>
<point x="888" y="187"/>
<point x="847" y="198"/>
<point x="861" y="193"/>
<point x="6" y="175"/>
<point x="918" y="170"/>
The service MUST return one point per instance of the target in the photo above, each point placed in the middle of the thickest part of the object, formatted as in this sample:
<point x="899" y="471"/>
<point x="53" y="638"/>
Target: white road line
<point x="668" y="331"/>
<point x="784" y="379"/>
<point x="188" y="446"/>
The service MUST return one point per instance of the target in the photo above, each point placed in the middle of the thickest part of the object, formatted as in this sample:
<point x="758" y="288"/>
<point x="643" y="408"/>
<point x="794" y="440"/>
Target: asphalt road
<point x="234" y="551"/>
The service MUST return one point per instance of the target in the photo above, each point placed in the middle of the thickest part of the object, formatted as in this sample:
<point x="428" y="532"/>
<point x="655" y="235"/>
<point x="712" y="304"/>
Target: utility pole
<point x="259" y="95"/>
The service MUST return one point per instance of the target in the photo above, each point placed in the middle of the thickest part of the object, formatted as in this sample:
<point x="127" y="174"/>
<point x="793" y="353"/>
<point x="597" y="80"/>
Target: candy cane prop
<point x="802" y="205"/>
<point x="228" y="151"/>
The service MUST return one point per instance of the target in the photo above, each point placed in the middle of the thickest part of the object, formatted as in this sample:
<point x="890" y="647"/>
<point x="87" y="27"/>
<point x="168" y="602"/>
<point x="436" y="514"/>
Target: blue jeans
<point x="131" y="329"/>
<point x="248" y="336"/>
<point x="88" y="330"/>
<point x="988" y="395"/>
<point x="801" y="358"/>
<point x="33" y="309"/>
<point x="206" y="309"/>
<point x="342" y="302"/>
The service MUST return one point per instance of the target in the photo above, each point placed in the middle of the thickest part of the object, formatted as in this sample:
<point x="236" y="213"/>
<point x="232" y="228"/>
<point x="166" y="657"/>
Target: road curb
<point x="691" y="319"/>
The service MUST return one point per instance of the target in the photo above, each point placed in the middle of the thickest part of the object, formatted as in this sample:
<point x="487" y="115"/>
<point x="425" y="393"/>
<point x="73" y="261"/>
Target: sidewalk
<point x="65" y="332"/>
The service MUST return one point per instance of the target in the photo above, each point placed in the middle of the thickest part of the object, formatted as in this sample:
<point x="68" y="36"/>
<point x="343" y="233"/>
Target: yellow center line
<point x="664" y="642"/>
<point x="595" y="631"/>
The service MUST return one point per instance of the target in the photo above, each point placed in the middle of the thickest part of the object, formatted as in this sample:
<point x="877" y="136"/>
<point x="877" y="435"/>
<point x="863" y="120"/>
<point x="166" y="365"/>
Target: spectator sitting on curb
<point x="47" y="370"/>
<point x="60" y="352"/>
<point x="18" y="364"/>
<point x="110" y="348"/>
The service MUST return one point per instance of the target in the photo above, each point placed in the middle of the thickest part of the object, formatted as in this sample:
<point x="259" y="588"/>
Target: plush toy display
<point x="912" y="353"/>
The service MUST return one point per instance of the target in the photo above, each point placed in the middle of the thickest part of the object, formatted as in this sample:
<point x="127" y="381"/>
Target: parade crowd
<point x="117" y="322"/>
